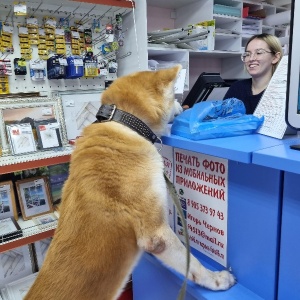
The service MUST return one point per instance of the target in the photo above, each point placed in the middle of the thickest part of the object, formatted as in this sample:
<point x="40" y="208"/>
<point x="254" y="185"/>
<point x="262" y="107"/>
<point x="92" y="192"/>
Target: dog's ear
<point x="170" y="74"/>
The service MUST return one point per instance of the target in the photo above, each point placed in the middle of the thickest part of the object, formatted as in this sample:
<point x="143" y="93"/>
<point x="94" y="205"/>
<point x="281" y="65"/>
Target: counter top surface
<point x="237" y="148"/>
<point x="279" y="157"/>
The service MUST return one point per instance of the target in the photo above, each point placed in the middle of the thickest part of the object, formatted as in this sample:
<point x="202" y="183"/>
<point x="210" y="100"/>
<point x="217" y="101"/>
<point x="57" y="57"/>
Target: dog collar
<point x="111" y="113"/>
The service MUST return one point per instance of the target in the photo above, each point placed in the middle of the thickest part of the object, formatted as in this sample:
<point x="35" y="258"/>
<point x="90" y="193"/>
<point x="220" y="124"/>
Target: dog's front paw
<point x="221" y="280"/>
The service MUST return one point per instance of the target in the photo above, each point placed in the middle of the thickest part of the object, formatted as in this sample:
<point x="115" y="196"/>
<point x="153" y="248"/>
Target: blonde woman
<point x="263" y="53"/>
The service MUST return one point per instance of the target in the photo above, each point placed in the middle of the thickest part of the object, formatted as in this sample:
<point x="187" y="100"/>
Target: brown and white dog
<point x="114" y="201"/>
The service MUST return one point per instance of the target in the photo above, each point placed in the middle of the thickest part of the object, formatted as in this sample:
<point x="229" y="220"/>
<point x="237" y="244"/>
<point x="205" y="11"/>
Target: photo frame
<point x="8" y="206"/>
<point x="29" y="110"/>
<point x="34" y="197"/>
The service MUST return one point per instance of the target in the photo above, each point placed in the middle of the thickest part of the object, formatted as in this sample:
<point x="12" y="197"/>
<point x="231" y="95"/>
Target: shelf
<point x="156" y="51"/>
<point x="214" y="54"/>
<point x="173" y="4"/>
<point x="31" y="233"/>
<point x="118" y="3"/>
<point x="9" y="164"/>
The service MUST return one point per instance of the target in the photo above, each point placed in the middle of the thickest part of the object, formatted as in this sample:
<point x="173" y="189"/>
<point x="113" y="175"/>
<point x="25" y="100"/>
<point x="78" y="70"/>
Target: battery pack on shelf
<point x="4" y="85"/>
<point x="74" y="67"/>
<point x="56" y="68"/>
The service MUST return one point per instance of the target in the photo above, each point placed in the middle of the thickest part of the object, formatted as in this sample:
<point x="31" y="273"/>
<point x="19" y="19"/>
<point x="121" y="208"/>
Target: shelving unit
<point x="76" y="9"/>
<point x="86" y="11"/>
<point x="229" y="37"/>
<point x="9" y="164"/>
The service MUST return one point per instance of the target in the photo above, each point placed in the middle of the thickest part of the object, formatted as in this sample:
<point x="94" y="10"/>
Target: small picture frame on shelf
<point x="48" y="134"/>
<point x="21" y="139"/>
<point x="28" y="111"/>
<point x="7" y="201"/>
<point x="9" y="230"/>
<point x="34" y="197"/>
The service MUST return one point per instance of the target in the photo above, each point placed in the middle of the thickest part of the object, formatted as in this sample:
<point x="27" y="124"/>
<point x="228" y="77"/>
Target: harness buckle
<point x="114" y="107"/>
<point x="106" y="113"/>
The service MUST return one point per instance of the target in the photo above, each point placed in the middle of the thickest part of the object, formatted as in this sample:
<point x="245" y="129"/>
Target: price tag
<point x="103" y="72"/>
<point x="62" y="61"/>
<point x="47" y="111"/>
<point x="78" y="62"/>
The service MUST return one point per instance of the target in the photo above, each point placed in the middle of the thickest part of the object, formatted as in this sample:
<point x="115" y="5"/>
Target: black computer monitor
<point x="203" y="86"/>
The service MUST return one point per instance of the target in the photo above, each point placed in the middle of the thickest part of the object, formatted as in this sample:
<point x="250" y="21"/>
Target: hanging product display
<point x="74" y="67"/>
<point x="20" y="66"/>
<point x="33" y="30"/>
<point x="90" y="65"/>
<point x="25" y="49"/>
<point x="7" y="38"/>
<point x="56" y="47"/>
<point x="37" y="70"/>
<point x="56" y="67"/>
<point x="60" y="42"/>
<point x="5" y="67"/>
<point x="42" y="47"/>
<point x="4" y="85"/>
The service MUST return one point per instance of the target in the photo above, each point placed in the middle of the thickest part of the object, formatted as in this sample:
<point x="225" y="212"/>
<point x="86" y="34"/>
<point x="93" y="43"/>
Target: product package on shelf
<point x="40" y="251"/>
<point x="21" y="138"/>
<point x="15" y="264"/>
<point x="19" y="288"/>
<point x="48" y="134"/>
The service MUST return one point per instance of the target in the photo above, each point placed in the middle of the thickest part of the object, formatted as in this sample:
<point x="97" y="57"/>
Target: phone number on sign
<point x="205" y="209"/>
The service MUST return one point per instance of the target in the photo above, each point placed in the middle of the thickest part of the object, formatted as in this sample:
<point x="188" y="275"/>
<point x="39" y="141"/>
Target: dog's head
<point x="148" y="95"/>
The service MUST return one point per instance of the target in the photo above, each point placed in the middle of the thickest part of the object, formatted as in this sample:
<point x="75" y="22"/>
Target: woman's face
<point x="260" y="63"/>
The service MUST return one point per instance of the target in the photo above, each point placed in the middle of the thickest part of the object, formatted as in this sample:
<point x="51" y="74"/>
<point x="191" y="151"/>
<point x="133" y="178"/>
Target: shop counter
<point x="288" y="160"/>
<point x="279" y="157"/>
<point x="254" y="224"/>
<point x="152" y="280"/>
<point x="238" y="148"/>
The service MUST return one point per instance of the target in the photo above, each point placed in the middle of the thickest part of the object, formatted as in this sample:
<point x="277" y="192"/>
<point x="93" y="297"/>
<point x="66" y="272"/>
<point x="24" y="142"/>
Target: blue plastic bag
<point x="214" y="119"/>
